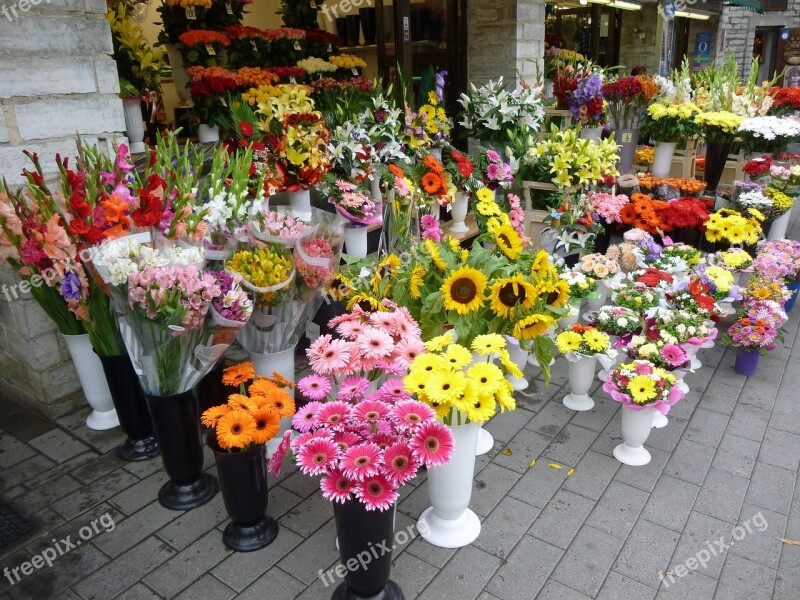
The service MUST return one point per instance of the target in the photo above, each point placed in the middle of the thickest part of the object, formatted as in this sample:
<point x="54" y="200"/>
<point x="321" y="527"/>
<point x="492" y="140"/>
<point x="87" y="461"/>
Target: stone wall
<point x="638" y="39"/>
<point x="504" y="36"/>
<point x="57" y="78"/>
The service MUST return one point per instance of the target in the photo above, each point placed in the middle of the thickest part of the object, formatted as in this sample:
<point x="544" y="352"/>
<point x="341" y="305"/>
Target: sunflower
<point x="267" y="425"/>
<point x="454" y="244"/>
<point x="212" y="416"/>
<point x="340" y="288"/>
<point x="437" y="344"/>
<point x="433" y="251"/>
<point x="508" y="241"/>
<point x="445" y="386"/>
<point x="457" y="356"/>
<point x="463" y="290"/>
<point x="236" y="429"/>
<point x="568" y="341"/>
<point x="597" y="341"/>
<point x="489" y="343"/>
<point x="431" y="183"/>
<point x="510" y="294"/>
<point x="533" y="326"/>
<point x="389" y="265"/>
<point x="416" y="281"/>
<point x="642" y="389"/>
<point x="236" y="375"/>
<point x="482" y="409"/>
<point x="555" y="293"/>
<point x="541" y="263"/>
<point x="366" y="302"/>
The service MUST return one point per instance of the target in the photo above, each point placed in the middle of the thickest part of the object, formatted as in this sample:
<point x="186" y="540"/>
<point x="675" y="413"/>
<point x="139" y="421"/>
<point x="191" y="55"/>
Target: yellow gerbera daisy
<point x="505" y="398"/>
<point x="445" y="386"/>
<point x="433" y="251"/>
<point x="510" y="295"/>
<point x="482" y="409"/>
<point x="437" y="344"/>
<point x="487" y="208"/>
<point x="568" y="341"/>
<point x="415" y="383"/>
<point x="488" y="343"/>
<point x="532" y="326"/>
<point x="597" y="341"/>
<point x="642" y="389"/>
<point x="487" y="377"/>
<point x="428" y="362"/>
<point x="463" y="290"/>
<point x="484" y="194"/>
<point x="508" y="241"/>
<point x="457" y="356"/>
<point x="509" y="365"/>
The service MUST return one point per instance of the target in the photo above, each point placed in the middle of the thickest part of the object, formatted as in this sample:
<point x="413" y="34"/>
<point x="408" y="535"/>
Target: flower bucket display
<point x="716" y="159"/>
<point x="179" y="73"/>
<point x="355" y="240"/>
<point x="459" y="208"/>
<point x="131" y="407"/>
<point x="93" y="382"/>
<point x="300" y="199"/>
<point x="134" y="124"/>
<point x="357" y="531"/>
<point x="747" y="361"/>
<point x="583" y="346"/>
<point x="662" y="159"/>
<point x="596" y="301"/>
<point x="207" y="134"/>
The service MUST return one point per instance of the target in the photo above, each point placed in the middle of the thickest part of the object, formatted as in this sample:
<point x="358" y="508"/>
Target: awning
<point x="754" y="5"/>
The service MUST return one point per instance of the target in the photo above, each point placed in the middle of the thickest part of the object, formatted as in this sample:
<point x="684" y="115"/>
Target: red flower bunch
<point x="242" y="32"/>
<point x="284" y="33"/>
<point x="208" y="81"/>
<point x="700" y="293"/>
<point x="687" y="212"/>
<point x="286" y="73"/>
<point x="760" y="166"/>
<point x="320" y="36"/>
<point x="203" y="36"/>
<point x="564" y="83"/>
<point x="652" y="277"/>
<point x="464" y="164"/>
<point x="623" y="88"/>
<point x="787" y="98"/>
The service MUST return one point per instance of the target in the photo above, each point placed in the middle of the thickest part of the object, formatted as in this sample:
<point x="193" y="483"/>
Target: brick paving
<point x="728" y="457"/>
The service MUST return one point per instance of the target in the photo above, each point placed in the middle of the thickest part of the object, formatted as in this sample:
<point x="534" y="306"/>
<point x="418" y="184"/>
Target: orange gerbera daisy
<point x="267" y="425"/>
<point x="627" y="214"/>
<point x="431" y="183"/>
<point x="282" y="381"/>
<point x="235" y="375"/>
<point x="281" y="402"/>
<point x="396" y="171"/>
<point x="242" y="402"/>
<point x="236" y="429"/>
<point x="212" y="416"/>
<point x="433" y="164"/>
<point x="639" y="197"/>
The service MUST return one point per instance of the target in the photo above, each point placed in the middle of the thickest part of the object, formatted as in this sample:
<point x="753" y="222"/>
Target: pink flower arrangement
<point x="352" y="201"/>
<point x="280" y="224"/>
<point x="753" y="334"/>
<point x="516" y="214"/>
<point x="607" y="206"/>
<point x="430" y="228"/>
<point x="785" y="252"/>
<point x="627" y="384"/>
<point x="768" y="311"/>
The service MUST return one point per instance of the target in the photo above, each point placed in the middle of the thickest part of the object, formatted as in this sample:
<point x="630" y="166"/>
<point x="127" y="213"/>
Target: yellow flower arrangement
<point x="261" y="94"/>
<point x="731" y="226"/>
<point x="582" y="340"/>
<point x="719" y="126"/>
<point x="722" y="278"/>
<point x="568" y="160"/>
<point x="347" y="61"/>
<point x="670" y="122"/>
<point x="780" y="201"/>
<point x="735" y="259"/>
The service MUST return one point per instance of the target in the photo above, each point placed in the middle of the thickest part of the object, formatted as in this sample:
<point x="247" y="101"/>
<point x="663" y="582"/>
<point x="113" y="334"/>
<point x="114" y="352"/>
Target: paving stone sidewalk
<point x="728" y="457"/>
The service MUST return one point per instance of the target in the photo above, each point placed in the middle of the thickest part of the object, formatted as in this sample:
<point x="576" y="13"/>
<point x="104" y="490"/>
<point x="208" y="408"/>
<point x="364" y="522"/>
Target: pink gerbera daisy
<point x="332" y="414"/>
<point x="411" y="414"/>
<point x="352" y="388"/>
<point x="345" y="439"/>
<point x="391" y="367"/>
<point x="674" y="355"/>
<point x="383" y="439"/>
<point x="407" y="350"/>
<point x="381" y="320"/>
<point x="377" y="493"/>
<point x="401" y="466"/>
<point x="344" y="318"/>
<point x="393" y="391"/>
<point x="336" y="487"/>
<point x="432" y="444"/>
<point x="429" y="222"/>
<point x="371" y="410"/>
<point x="351" y="329"/>
<point x="643" y="368"/>
<point x="361" y="461"/>
<point x="375" y="343"/>
<point x="303" y="419"/>
<point x="276" y="460"/>
<point x="315" y="387"/>
<point x="317" y="456"/>
<point x="328" y="356"/>
<point x="306" y="437"/>
<point x="403" y="327"/>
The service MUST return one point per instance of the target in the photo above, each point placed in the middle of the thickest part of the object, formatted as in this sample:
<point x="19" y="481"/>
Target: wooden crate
<point x="534" y="218"/>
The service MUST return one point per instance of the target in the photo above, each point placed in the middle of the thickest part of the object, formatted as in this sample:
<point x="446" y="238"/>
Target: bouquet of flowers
<point x="247" y="48"/>
<point x="768" y="134"/>
<point x="719" y="126"/>
<point x="677" y="255"/>
<point x="644" y="212"/>
<point x="598" y="266"/>
<point x="351" y="200"/>
<point x="460" y="385"/>
<point x="461" y="170"/>
<point x="586" y="101"/>
<point x="180" y="16"/>
<point x="570" y="226"/>
<point x="785" y="101"/>
<point x="625" y="255"/>
<point x="252" y="416"/>
<point x="784" y="252"/>
<point x="349" y="64"/>
<point x="322" y="43"/>
<point x="733" y="260"/>
<point x="626" y="99"/>
<point x="316" y="67"/>
<point x="750" y="195"/>
<point x="437" y="123"/>
<point x="491" y="113"/>
<point x="753" y="334"/>
<point x="684" y="213"/>
<point x="760" y="288"/>
<point x="680" y="327"/>
<point x="607" y="206"/>
<point x="636" y="296"/>
<point x="640" y="384"/>
<point x="582" y="340"/>
<point x="657" y="351"/>
<point x="492" y="170"/>
<point x="670" y="122"/>
<point x="781" y="201"/>
<point x="733" y="227"/>
<point x="435" y="183"/>
<point x="580" y="284"/>
<point x="202" y="47"/>
<point x="618" y="320"/>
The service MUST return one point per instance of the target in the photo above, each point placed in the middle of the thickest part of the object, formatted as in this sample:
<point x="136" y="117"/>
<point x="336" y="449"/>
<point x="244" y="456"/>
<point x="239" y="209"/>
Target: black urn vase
<point x="353" y="30"/>
<point x="210" y="391"/>
<point x="368" y="26"/>
<point x="131" y="406"/>
<point x="716" y="157"/>
<point x="243" y="482"/>
<point x="176" y="421"/>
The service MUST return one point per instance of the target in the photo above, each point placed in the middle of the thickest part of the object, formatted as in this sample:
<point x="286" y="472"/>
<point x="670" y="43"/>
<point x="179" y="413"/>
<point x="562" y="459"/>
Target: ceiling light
<point x="692" y="15"/>
<point x="625" y="5"/>
<point x="600" y="1"/>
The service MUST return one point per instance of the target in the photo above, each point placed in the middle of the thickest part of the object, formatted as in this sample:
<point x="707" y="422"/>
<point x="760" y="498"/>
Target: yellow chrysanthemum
<point x="511" y="295"/>
<point x="642" y="389"/>
<point x="433" y="251"/>
<point x="464" y="290"/>
<point x="439" y="343"/>
<point x="532" y="326"/>
<point x="487" y="376"/>
<point x="508" y="241"/>
<point x="568" y="341"/>
<point x="488" y="343"/>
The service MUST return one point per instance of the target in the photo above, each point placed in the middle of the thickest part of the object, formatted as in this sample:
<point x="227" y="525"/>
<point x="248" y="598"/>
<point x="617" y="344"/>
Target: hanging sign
<point x="702" y="51"/>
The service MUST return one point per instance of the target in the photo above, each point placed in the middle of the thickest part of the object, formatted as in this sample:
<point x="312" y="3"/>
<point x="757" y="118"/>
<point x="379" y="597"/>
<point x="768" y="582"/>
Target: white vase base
<point x="457" y="227"/>
<point x="137" y="147"/>
<point x="660" y="420"/>
<point x="485" y="442"/>
<point x="579" y="402"/>
<point x="635" y="457"/>
<point x="100" y="421"/>
<point x="517" y="383"/>
<point x="683" y="386"/>
<point x="446" y="533"/>
<point x="603" y="375"/>
<point x="533" y="361"/>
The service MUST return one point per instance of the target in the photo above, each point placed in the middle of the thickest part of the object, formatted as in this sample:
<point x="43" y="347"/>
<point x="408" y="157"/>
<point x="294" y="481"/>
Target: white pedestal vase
<point x="449" y="523"/>
<point x="659" y="420"/>
<point x="662" y="159"/>
<point x="581" y="376"/>
<point x="692" y="352"/>
<point x="266" y="365"/>
<point x="485" y="442"/>
<point x="207" y="134"/>
<point x="459" y="208"/>
<point x="679" y="382"/>
<point x="636" y="426"/>
<point x="375" y="186"/>
<point x="134" y="124"/>
<point x="591" y="133"/>
<point x="93" y="381"/>
<point x="602" y="375"/>
<point x="778" y="228"/>
<point x="355" y="240"/>
<point x="595" y="304"/>
<point x="300" y="199"/>
<point x="519" y="358"/>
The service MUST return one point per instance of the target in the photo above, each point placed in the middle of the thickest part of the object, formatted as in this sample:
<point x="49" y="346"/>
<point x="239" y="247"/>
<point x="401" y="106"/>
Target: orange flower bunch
<point x="643" y="212"/>
<point x="650" y="88"/>
<point x="255" y="77"/>
<point x="196" y="37"/>
<point x="198" y="73"/>
<point x="252" y="416"/>
<point x="689" y="186"/>
<point x="434" y="181"/>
